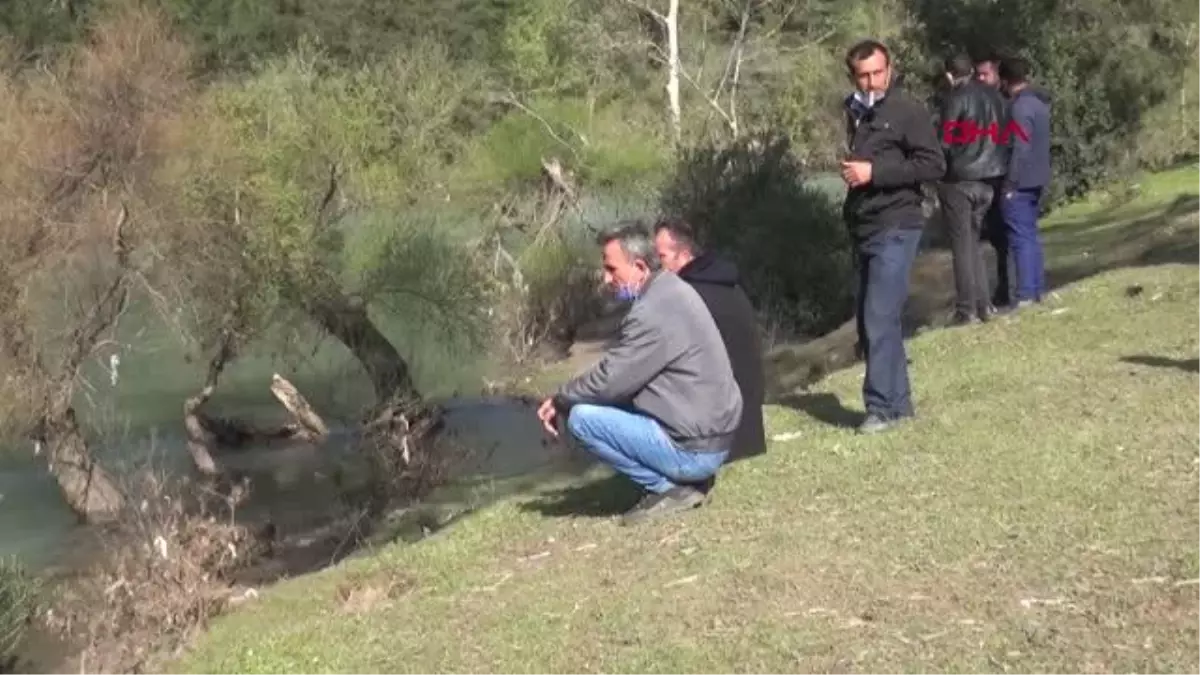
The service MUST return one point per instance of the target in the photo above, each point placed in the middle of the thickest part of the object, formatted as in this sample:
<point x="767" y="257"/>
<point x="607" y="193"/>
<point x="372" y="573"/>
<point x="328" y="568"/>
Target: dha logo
<point x="963" y="132"/>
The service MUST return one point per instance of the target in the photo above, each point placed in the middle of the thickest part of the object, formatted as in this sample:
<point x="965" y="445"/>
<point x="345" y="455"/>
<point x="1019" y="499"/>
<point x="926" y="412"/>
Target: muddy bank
<point x="793" y="368"/>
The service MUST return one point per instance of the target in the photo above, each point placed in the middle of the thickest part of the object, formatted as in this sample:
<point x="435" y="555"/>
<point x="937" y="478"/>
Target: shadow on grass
<point x="1150" y="238"/>
<point x="823" y="407"/>
<point x="1191" y="365"/>
<point x="600" y="498"/>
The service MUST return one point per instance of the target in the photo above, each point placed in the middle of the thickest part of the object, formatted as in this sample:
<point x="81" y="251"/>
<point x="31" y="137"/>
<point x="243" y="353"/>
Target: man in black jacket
<point x="719" y="285"/>
<point x="987" y="72"/>
<point x="892" y="150"/>
<point x="973" y="125"/>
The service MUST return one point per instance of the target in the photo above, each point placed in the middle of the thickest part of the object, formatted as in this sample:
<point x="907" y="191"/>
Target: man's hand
<point x="856" y="173"/>
<point x="547" y="413"/>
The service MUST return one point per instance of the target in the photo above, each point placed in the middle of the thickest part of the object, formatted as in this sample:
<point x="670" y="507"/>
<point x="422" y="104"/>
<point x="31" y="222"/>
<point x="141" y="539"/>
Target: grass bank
<point x="1040" y="515"/>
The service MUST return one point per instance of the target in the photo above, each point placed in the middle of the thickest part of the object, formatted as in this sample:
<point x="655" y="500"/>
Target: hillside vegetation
<point x="1040" y="515"/>
<point x="393" y="202"/>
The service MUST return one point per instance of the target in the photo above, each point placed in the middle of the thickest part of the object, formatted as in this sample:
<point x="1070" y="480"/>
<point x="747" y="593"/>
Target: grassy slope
<point x="1040" y="515"/>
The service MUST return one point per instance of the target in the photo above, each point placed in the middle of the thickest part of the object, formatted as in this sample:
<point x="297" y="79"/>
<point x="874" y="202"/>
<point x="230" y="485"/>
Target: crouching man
<point x="661" y="406"/>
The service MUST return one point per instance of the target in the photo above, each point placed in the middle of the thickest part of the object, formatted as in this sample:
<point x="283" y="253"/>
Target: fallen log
<point x="296" y="404"/>
<point x="209" y="436"/>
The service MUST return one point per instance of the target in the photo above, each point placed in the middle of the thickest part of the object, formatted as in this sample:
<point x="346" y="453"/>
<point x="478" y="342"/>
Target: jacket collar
<point x="858" y="109"/>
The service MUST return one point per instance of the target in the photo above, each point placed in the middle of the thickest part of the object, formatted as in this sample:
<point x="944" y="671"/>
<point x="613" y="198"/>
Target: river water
<point x="138" y="419"/>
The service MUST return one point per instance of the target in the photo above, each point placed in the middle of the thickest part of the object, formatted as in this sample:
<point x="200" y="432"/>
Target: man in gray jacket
<point x="661" y="406"/>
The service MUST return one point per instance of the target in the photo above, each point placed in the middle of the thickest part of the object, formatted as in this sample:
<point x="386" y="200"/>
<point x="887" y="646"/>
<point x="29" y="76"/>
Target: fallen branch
<point x="298" y="406"/>
<point x="209" y="435"/>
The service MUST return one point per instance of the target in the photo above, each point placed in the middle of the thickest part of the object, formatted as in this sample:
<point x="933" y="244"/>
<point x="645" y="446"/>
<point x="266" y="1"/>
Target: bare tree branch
<point x="713" y="103"/>
<point x="735" y="55"/>
<point x="511" y="99"/>
<point x="646" y="9"/>
<point x="102" y="314"/>
<point x="322" y="211"/>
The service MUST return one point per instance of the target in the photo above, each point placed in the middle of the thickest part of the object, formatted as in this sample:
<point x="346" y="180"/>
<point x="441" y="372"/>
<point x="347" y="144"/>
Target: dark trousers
<point x="1020" y="211"/>
<point x="884" y="261"/>
<point x="996" y="234"/>
<point x="965" y="205"/>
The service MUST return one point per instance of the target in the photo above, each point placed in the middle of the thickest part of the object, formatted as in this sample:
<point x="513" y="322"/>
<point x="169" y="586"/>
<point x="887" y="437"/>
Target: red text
<point x="962" y="132"/>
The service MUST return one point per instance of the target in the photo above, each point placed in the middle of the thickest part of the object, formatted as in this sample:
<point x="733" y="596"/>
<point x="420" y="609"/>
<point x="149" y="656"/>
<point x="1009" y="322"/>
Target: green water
<point x="140" y="418"/>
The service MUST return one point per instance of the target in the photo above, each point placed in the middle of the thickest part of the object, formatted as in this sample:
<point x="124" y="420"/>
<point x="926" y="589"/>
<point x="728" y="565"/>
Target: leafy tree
<point x="284" y="166"/>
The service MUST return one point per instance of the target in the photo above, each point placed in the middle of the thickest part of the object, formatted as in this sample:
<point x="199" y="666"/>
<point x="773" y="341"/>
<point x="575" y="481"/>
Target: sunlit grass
<point x="1039" y="515"/>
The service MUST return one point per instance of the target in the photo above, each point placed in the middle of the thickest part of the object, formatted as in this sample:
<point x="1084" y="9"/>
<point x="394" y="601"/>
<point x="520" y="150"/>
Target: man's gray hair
<point x="636" y="241"/>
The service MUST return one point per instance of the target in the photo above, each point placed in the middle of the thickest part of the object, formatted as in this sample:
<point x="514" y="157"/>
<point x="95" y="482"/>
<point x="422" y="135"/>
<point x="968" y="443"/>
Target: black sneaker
<point x="677" y="499"/>
<point x="704" y="487"/>
<point x="963" y="319"/>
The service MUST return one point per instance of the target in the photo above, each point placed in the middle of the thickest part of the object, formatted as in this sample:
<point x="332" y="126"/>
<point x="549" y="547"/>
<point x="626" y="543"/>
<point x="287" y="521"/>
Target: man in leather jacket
<point x="975" y="142"/>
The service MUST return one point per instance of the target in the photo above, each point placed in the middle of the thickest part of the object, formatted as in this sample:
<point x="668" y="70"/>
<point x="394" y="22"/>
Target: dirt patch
<point x="797" y="366"/>
<point x="363" y="594"/>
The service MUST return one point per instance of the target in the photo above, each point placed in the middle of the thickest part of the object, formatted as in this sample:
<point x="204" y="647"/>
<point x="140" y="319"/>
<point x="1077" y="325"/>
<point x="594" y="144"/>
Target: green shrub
<point x="617" y="145"/>
<point x="545" y="283"/>
<point x="749" y="201"/>
<point x="18" y="601"/>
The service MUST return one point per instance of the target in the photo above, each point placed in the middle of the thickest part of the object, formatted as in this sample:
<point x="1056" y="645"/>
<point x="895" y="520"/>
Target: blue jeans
<point x="996" y="233"/>
<point x="1020" y="212"/>
<point x="884" y="262"/>
<point x="637" y="446"/>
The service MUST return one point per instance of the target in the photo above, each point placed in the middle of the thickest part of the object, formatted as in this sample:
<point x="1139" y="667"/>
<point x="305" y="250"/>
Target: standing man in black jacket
<point x="987" y="72"/>
<point x="719" y="285"/>
<point x="892" y="150"/>
<point x="972" y="122"/>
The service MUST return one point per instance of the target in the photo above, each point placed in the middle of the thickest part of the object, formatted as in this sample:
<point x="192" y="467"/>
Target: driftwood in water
<point x="208" y="435"/>
<point x="296" y="404"/>
<point x="89" y="490"/>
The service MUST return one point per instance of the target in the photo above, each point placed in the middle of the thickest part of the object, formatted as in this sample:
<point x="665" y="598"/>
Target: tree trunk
<point x="87" y="487"/>
<point x="1183" y="83"/>
<point x="201" y="439"/>
<point x="350" y="323"/>
<point x="672" y="25"/>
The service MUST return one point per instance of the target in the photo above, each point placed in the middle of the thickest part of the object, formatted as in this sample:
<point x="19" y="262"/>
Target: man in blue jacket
<point x="1027" y="178"/>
